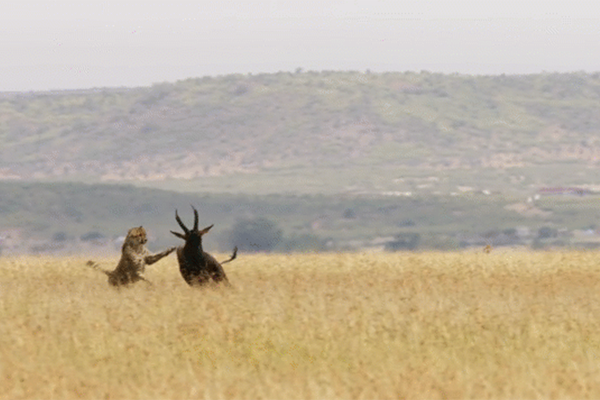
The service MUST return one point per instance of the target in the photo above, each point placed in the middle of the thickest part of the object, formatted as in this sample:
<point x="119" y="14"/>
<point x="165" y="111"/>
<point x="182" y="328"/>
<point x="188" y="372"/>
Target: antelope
<point x="197" y="266"/>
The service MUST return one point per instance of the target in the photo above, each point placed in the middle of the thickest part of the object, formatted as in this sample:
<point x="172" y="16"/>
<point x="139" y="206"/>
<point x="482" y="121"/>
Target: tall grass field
<point x="335" y="326"/>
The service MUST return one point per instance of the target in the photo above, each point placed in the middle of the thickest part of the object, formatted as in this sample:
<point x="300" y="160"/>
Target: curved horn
<point x="195" y="218"/>
<point x="179" y="235"/>
<point x="185" y="229"/>
<point x="205" y="230"/>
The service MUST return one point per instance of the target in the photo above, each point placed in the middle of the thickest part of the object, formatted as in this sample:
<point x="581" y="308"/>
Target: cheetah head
<point x="136" y="236"/>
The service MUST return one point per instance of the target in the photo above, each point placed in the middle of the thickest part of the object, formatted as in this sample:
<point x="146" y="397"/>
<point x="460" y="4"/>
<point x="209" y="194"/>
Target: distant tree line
<point x="263" y="235"/>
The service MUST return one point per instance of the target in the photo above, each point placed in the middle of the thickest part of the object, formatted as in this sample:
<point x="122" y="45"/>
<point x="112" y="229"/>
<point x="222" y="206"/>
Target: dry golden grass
<point x="430" y="325"/>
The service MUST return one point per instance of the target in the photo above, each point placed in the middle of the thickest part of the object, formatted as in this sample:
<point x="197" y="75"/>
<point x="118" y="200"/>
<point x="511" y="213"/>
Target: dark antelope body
<point x="197" y="266"/>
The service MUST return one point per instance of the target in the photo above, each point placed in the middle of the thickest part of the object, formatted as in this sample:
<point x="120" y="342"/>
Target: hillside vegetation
<point x="49" y="217"/>
<point x="316" y="132"/>
<point x="345" y="326"/>
<point x="67" y="218"/>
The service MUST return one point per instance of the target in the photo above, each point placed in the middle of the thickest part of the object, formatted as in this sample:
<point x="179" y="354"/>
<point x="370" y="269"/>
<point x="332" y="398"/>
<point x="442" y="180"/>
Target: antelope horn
<point x="205" y="230"/>
<point x="186" y="230"/>
<point x="195" y="219"/>
<point x="179" y="235"/>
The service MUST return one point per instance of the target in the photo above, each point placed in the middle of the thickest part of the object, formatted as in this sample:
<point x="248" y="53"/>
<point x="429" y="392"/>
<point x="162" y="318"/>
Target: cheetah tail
<point x="96" y="266"/>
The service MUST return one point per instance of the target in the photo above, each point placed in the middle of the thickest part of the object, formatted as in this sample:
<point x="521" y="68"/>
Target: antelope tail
<point x="233" y="256"/>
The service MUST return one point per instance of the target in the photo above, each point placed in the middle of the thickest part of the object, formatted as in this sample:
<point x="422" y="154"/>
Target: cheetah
<point x="134" y="258"/>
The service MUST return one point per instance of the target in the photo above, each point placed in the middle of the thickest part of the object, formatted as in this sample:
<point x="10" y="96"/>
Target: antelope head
<point x="192" y="237"/>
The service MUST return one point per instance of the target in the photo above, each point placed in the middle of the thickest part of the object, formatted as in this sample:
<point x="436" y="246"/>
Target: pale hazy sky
<point x="92" y="43"/>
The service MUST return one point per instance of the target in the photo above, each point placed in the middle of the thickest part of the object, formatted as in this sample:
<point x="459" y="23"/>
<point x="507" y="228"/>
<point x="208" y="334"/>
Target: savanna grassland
<point x="404" y="325"/>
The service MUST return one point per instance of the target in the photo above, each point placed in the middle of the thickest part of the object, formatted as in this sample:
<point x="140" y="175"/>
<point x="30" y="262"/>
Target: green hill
<point x="312" y="132"/>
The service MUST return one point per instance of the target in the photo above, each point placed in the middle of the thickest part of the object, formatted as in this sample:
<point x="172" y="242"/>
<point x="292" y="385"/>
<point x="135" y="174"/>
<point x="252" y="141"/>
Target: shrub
<point x="255" y="235"/>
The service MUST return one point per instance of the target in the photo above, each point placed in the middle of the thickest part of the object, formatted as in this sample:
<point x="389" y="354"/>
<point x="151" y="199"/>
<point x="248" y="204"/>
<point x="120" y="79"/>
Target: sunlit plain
<point x="424" y="325"/>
